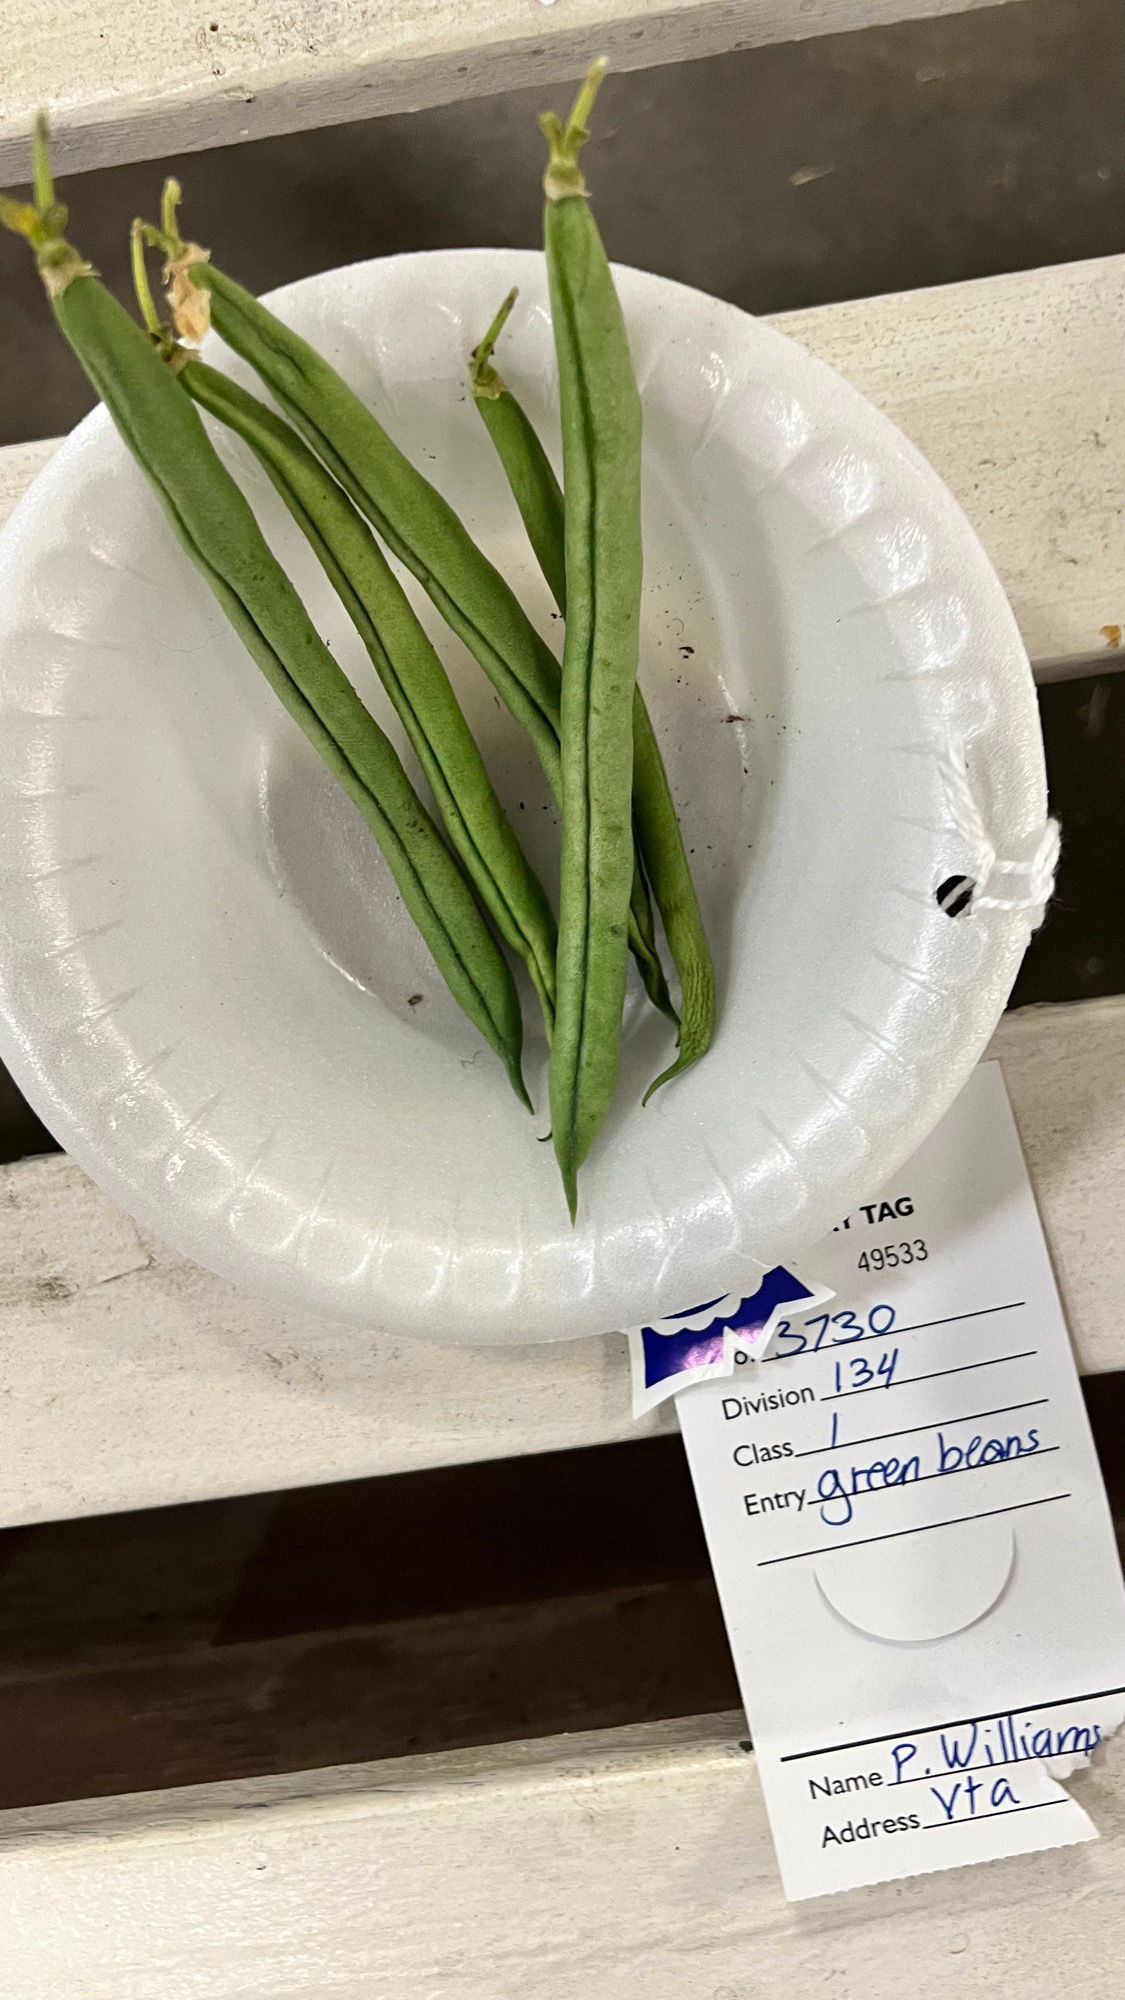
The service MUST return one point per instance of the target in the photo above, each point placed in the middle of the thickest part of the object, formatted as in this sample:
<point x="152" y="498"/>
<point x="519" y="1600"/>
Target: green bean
<point x="407" y="665"/>
<point x="662" y="844"/>
<point x="539" y="498"/>
<point x="412" y="517"/>
<point x="215" y="525"/>
<point x="601" y="431"/>
<point x="642" y="941"/>
<point x="659" y="841"/>
<point x="529" y="471"/>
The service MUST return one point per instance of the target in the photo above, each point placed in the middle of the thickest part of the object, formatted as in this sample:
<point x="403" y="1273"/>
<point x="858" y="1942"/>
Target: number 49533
<point x="891" y="1254"/>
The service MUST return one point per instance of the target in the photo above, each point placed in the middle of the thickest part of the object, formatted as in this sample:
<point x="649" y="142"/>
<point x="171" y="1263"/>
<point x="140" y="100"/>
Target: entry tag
<point x="910" y="1534"/>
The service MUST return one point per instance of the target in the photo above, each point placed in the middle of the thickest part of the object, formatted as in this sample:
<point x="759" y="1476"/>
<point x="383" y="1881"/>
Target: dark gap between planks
<point x="372" y="1619"/>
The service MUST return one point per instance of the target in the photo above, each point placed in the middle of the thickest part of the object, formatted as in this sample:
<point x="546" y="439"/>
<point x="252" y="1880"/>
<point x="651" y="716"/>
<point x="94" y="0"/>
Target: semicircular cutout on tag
<point x="930" y="1588"/>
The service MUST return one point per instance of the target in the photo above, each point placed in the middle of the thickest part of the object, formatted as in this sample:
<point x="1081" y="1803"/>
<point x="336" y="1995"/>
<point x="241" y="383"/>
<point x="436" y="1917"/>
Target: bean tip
<point x="484" y="378"/>
<point x="568" y="1168"/>
<point x="684" y="1060"/>
<point x="515" y="1074"/>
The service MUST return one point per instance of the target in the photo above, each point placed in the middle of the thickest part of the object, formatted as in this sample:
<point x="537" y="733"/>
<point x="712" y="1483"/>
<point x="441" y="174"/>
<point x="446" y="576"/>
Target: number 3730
<point x="831" y="1330"/>
<point x="889" y="1255"/>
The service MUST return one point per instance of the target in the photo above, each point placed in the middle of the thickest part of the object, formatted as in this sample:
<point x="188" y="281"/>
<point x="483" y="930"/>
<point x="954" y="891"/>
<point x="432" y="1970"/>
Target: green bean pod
<point x="216" y="527"/>
<point x="659" y="841"/>
<point x="539" y="497"/>
<point x="414" y="520"/>
<point x="412" y="517"/>
<point x="601" y="430"/>
<point x="407" y="665"/>
<point x="528" y="470"/>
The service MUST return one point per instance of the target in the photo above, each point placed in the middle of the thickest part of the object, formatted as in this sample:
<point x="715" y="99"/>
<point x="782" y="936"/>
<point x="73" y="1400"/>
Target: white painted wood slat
<point x="19" y="464"/>
<point x="1013" y="387"/>
<point x="147" y="77"/>
<point x="130" y="1378"/>
<point x="629" y="1864"/>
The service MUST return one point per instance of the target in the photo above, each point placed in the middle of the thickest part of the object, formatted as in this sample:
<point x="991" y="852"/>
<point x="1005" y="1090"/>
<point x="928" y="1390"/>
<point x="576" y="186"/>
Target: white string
<point x="1000" y="884"/>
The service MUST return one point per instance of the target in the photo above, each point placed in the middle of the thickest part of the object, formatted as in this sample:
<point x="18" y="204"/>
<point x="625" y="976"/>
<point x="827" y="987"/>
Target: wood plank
<point x="130" y="1378"/>
<point x="1013" y="387"/>
<point x="208" y="1713"/>
<point x="614" y="1864"/>
<point x="138" y="80"/>
<point x="377" y="1619"/>
<point x="19" y="464"/>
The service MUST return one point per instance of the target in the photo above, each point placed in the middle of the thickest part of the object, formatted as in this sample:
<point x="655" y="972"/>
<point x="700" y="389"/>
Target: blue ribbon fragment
<point x="682" y="1353"/>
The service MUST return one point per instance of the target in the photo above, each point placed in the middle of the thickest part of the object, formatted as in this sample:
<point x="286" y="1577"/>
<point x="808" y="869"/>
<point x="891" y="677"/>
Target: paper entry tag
<point x="910" y="1534"/>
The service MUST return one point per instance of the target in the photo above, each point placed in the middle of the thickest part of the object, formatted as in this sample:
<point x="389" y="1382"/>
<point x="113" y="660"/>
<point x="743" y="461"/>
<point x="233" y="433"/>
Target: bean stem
<point x="42" y="178"/>
<point x="530" y="473"/>
<point x="141" y="287"/>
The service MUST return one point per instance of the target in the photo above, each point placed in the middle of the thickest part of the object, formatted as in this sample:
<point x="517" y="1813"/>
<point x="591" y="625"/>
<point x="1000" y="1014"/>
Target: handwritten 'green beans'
<point x="412" y="517"/>
<point x="216" y="527"/>
<point x="601" y="432"/>
<point x="659" y="841"/>
<point x="407" y="665"/>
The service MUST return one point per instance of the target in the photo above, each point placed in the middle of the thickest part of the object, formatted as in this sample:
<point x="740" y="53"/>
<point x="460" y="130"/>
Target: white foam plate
<point x="211" y="994"/>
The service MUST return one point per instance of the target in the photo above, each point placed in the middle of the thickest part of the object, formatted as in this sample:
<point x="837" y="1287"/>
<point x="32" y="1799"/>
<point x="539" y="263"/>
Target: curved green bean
<point x="601" y="430"/>
<point x="215" y="525"/>
<point x="407" y="665"/>
<point x="659" y="841"/>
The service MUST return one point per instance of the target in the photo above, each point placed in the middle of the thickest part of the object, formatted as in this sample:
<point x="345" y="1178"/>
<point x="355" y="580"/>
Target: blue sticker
<point x="691" y="1346"/>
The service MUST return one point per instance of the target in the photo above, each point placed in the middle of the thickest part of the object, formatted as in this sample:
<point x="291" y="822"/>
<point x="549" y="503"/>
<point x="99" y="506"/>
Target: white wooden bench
<point x="632" y="1864"/>
<point x="136" y="80"/>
